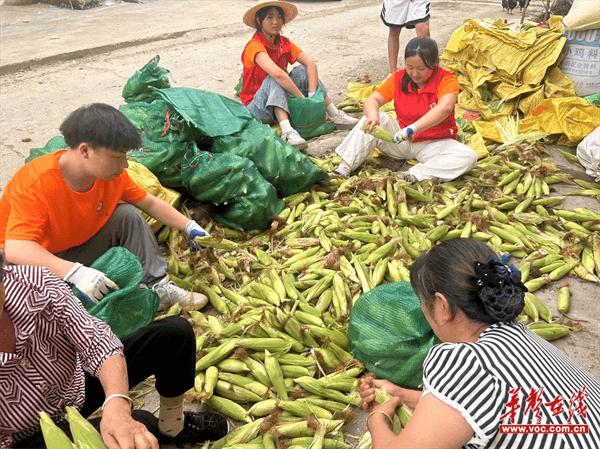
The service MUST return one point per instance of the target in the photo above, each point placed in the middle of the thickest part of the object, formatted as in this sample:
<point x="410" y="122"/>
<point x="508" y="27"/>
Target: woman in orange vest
<point x="424" y="97"/>
<point x="266" y="83"/>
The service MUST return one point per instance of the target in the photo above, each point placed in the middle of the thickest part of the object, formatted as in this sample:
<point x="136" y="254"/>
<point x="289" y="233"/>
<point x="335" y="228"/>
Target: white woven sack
<point x="588" y="153"/>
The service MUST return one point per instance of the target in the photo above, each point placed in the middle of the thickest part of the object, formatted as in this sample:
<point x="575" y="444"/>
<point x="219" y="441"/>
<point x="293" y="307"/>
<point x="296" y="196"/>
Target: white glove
<point x="92" y="284"/>
<point x="311" y="94"/>
<point x="404" y="134"/>
<point x="193" y="230"/>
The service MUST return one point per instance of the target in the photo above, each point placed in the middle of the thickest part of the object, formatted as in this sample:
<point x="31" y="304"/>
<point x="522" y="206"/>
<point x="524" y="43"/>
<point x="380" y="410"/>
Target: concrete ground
<point x="54" y="60"/>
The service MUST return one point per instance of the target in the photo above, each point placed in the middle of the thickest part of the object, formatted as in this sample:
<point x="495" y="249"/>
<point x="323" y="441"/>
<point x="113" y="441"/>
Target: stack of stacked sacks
<point x="247" y="168"/>
<point x="508" y="69"/>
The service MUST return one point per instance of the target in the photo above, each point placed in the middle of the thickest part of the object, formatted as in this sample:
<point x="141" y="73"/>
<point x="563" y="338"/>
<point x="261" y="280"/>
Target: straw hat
<point x="289" y="11"/>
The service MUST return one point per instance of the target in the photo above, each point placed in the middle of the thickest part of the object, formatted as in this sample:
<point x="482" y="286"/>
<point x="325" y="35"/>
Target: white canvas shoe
<point x="169" y="294"/>
<point x="293" y="138"/>
<point x="341" y="120"/>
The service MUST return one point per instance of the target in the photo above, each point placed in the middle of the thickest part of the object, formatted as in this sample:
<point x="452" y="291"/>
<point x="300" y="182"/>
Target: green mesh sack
<point x="149" y="118"/>
<point x="389" y="334"/>
<point x="168" y="140"/>
<point x="54" y="144"/>
<point x="140" y="86"/>
<point x="165" y="160"/>
<point x="238" y="87"/>
<point x="246" y="200"/>
<point x="307" y="115"/>
<point x="289" y="170"/>
<point x="129" y="308"/>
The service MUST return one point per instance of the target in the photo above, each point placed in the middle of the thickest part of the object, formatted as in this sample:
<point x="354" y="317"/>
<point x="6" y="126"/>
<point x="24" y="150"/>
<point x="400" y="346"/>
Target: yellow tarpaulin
<point x="357" y="93"/>
<point x="488" y="130"/>
<point x="503" y="68"/>
<point x="476" y="143"/>
<point x="150" y="183"/>
<point x="571" y="118"/>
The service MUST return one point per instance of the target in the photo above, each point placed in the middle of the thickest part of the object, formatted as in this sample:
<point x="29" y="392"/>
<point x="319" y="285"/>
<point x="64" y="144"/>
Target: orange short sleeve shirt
<point x="255" y="47"/>
<point x="38" y="205"/>
<point x="448" y="85"/>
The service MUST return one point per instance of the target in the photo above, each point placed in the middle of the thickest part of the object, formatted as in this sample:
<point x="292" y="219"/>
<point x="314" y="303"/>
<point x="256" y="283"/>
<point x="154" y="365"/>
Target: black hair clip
<point x="500" y="288"/>
<point x="492" y="274"/>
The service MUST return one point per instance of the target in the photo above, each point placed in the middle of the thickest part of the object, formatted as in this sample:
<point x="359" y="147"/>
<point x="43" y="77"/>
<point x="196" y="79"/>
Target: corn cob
<point x="379" y="133"/>
<point x="275" y="375"/>
<point x="551" y="332"/>
<point x="216" y="356"/>
<point x="84" y="434"/>
<point x="563" y="303"/>
<point x="54" y="437"/>
<point x="228" y="408"/>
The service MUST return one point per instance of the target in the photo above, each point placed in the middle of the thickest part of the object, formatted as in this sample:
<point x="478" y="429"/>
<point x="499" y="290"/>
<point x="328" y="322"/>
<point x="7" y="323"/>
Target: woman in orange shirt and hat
<point x="266" y="83"/>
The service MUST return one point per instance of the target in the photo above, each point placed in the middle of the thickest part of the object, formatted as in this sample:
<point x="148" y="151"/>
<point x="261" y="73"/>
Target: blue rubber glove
<point x="404" y="134"/>
<point x="193" y="230"/>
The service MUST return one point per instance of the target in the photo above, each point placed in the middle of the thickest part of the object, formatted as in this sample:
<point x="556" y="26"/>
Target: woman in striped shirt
<point x="492" y="383"/>
<point x="53" y="354"/>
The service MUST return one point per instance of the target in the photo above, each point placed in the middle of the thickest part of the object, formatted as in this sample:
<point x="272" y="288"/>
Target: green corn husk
<point x="211" y="242"/>
<point x="563" y="302"/>
<point x="228" y="408"/>
<point x="328" y="443"/>
<point x="83" y="432"/>
<point x="382" y="396"/>
<point x="245" y="382"/>
<point x="381" y="134"/>
<point x="331" y="405"/>
<point x="402" y="415"/>
<point x="268" y="442"/>
<point x="275" y="375"/>
<point x="303" y="409"/>
<point x="213" y="357"/>
<point x="54" y="437"/>
<point x="232" y="365"/>
<point x="304" y="429"/>
<point x="235" y="393"/>
<point x="263" y="408"/>
<point x="241" y="435"/>
<point x="260" y="344"/>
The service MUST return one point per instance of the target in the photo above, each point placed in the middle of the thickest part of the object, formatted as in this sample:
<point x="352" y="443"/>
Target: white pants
<point x="444" y="159"/>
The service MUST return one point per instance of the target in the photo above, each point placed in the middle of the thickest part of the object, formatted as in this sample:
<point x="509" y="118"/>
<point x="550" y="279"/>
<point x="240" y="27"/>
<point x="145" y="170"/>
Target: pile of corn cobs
<point x="276" y="356"/>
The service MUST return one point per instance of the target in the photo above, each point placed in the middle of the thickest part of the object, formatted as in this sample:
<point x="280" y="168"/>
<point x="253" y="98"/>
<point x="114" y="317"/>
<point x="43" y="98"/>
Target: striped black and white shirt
<point x="56" y="339"/>
<point x="512" y="376"/>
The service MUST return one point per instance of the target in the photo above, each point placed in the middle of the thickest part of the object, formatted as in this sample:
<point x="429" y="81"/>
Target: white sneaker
<point x="169" y="294"/>
<point x="293" y="138"/>
<point x="341" y="120"/>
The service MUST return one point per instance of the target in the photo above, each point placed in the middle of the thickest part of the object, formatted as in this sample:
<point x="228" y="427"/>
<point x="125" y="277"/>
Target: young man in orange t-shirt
<point x="65" y="209"/>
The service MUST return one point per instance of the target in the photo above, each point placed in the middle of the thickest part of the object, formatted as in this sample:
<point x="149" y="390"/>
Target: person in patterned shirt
<point x="54" y="354"/>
